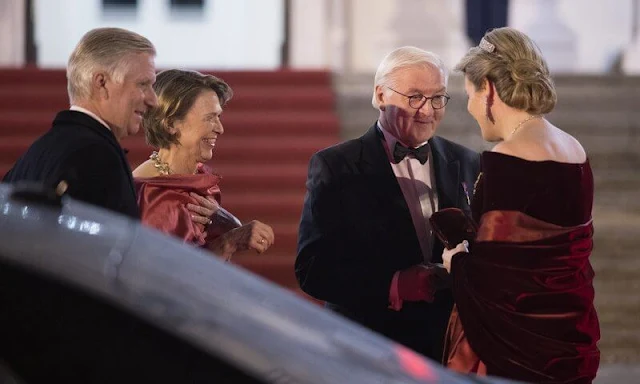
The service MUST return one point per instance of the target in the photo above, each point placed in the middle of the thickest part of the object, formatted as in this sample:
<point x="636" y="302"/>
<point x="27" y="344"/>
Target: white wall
<point x="376" y="25"/>
<point x="602" y="28"/>
<point x="237" y="34"/>
<point x="343" y="35"/>
<point x="310" y="34"/>
<point x="12" y="36"/>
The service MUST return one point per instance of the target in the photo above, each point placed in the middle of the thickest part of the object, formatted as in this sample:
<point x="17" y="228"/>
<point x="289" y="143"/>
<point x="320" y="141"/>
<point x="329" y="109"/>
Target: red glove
<point x="417" y="283"/>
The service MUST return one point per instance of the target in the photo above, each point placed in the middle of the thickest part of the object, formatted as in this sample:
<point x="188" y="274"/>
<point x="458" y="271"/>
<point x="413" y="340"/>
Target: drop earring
<point x="489" y="103"/>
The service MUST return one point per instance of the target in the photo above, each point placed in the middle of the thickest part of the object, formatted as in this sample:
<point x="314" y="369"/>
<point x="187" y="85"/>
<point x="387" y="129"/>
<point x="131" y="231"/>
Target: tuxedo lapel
<point x="375" y="163"/>
<point x="447" y="174"/>
<point x="385" y="190"/>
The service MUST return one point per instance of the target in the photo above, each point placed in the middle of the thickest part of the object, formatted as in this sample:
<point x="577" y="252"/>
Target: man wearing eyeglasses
<point x="365" y="245"/>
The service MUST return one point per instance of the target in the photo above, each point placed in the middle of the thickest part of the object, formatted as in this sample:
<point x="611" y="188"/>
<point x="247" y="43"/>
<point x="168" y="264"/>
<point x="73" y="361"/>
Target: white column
<point x="631" y="59"/>
<point x="434" y="25"/>
<point x="558" y="43"/>
<point x="339" y="35"/>
<point x="309" y="34"/>
<point x="12" y="33"/>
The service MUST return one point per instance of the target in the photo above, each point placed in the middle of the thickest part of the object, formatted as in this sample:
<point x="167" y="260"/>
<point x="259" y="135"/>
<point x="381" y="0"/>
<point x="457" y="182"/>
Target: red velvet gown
<point x="524" y="294"/>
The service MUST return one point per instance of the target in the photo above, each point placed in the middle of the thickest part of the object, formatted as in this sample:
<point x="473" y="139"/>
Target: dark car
<point x="89" y="296"/>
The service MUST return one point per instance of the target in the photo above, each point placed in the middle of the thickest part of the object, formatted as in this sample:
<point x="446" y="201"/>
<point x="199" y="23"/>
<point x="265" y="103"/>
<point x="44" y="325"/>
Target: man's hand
<point x="418" y="283"/>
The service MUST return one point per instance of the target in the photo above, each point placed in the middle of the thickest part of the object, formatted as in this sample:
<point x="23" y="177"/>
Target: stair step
<point x="308" y="123"/>
<point x="246" y="99"/>
<point x="238" y="150"/>
<point x="265" y="177"/>
<point x="274" y="267"/>
<point x="264" y="207"/>
<point x="268" y="208"/>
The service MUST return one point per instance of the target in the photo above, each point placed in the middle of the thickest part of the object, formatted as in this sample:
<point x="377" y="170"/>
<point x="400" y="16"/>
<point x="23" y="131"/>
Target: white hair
<point x="404" y="57"/>
<point x="102" y="49"/>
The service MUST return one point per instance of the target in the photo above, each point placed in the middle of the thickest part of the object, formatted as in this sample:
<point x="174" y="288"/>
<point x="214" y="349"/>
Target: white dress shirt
<point x="88" y="112"/>
<point x="417" y="182"/>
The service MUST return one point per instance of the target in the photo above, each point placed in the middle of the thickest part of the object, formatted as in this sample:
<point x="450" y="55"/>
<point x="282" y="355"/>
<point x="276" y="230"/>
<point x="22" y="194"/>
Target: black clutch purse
<point x="222" y="222"/>
<point x="453" y="226"/>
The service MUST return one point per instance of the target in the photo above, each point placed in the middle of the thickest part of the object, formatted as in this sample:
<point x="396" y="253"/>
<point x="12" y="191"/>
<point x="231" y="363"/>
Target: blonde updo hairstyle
<point x="515" y="67"/>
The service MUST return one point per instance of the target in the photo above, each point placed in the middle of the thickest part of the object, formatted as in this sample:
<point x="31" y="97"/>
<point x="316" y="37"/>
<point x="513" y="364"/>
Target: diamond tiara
<point x="486" y="46"/>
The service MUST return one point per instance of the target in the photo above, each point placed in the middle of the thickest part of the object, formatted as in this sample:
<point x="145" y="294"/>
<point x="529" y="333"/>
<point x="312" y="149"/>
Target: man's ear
<point x="380" y="97"/>
<point x="99" y="84"/>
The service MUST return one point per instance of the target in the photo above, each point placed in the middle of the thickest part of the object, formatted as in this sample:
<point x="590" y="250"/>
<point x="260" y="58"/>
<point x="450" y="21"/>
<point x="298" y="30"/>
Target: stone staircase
<point x="602" y="112"/>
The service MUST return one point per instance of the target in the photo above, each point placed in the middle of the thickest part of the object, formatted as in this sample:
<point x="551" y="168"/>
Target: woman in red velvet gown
<point x="524" y="287"/>
<point x="174" y="184"/>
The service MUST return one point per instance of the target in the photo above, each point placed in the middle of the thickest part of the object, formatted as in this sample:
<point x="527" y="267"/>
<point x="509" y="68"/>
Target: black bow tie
<point x="420" y="153"/>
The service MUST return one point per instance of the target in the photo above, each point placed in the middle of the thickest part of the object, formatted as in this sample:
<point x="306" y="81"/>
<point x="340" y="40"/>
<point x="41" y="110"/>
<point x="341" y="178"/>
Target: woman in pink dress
<point x="524" y="287"/>
<point x="174" y="184"/>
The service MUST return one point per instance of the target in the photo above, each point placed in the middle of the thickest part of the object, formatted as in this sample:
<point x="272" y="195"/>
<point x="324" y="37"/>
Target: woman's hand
<point x="204" y="210"/>
<point x="253" y="235"/>
<point x="448" y="254"/>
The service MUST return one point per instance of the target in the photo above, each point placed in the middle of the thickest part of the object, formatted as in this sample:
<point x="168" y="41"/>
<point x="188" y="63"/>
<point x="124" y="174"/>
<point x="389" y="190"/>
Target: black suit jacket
<point x="356" y="232"/>
<point x="84" y="153"/>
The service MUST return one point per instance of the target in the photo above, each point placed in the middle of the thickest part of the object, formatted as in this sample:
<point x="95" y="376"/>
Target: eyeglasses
<point x="418" y="101"/>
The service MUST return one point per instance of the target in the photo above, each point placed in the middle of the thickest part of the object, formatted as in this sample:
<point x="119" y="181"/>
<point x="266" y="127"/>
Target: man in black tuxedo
<point x="110" y="76"/>
<point x="365" y="244"/>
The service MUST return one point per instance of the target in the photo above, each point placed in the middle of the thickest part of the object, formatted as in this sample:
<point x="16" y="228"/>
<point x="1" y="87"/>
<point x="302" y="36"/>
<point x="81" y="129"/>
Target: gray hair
<point x="102" y="49"/>
<point x="404" y="57"/>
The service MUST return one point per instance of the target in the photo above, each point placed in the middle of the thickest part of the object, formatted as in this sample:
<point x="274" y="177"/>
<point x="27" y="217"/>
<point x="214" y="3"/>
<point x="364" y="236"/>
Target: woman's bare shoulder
<point x="553" y="145"/>
<point x="574" y="149"/>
